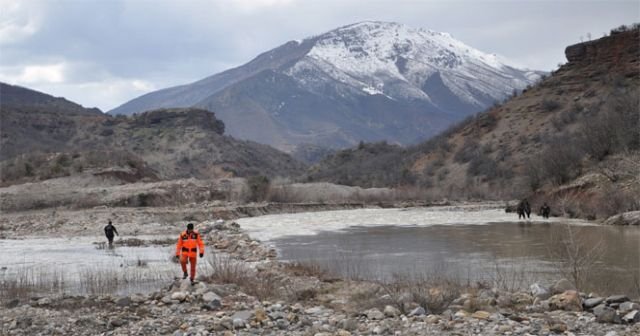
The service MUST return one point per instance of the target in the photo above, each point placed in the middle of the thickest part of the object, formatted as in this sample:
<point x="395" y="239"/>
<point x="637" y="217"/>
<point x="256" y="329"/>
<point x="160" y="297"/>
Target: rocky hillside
<point x="45" y="137"/>
<point x="369" y="81"/>
<point x="573" y="139"/>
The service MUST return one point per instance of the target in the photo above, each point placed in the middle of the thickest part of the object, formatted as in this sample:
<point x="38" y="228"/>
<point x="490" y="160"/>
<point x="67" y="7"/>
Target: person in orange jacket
<point x="187" y="248"/>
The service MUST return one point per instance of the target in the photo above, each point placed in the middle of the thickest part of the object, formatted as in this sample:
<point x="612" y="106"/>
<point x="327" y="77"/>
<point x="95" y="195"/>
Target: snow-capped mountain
<point x="367" y="81"/>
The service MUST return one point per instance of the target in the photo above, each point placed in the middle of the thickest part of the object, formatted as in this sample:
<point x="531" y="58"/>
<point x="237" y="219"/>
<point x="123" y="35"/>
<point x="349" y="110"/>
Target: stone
<point x="259" y="315"/>
<point x="522" y="298"/>
<point x="243" y="315"/>
<point x="419" y="311"/>
<point x="558" y="327"/>
<point x="282" y="324"/>
<point x="390" y="311"/>
<point x="210" y="296"/>
<point x="44" y="302"/>
<point x="123" y="301"/>
<point x="238" y="323"/>
<point x="213" y="305"/>
<point x="226" y="322"/>
<point x="569" y="300"/>
<point x="117" y="322"/>
<point x="343" y="332"/>
<point x="562" y="286"/>
<point x="433" y="319"/>
<point x="349" y="324"/>
<point x="627" y="218"/>
<point x="617" y="299"/>
<point x="374" y="314"/>
<point x="481" y="315"/>
<point x="12" y="304"/>
<point x="631" y="317"/>
<point x="179" y="296"/>
<point x="605" y="314"/>
<point x="628" y="306"/>
<point x="539" y="291"/>
<point x="592" y="302"/>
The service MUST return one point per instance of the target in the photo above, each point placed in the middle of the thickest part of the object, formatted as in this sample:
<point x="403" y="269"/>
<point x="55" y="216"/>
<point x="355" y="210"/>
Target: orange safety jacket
<point x="189" y="243"/>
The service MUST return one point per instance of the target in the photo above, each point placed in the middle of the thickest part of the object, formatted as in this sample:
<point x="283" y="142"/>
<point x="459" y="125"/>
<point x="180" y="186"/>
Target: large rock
<point x="592" y="302"/>
<point x="628" y="306"/>
<point x="390" y="311"/>
<point x="569" y="300"/>
<point x="123" y="301"/>
<point x="179" y="296"/>
<point x="616" y="299"/>
<point x="627" y="218"/>
<point x="210" y="296"/>
<point x="539" y="291"/>
<point x="562" y="286"/>
<point x="374" y="314"/>
<point x="418" y="311"/>
<point x="631" y="317"/>
<point x="606" y="314"/>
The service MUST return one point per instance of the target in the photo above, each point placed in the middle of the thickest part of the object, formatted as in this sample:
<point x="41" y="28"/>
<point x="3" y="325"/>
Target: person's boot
<point x="185" y="275"/>
<point x="193" y="282"/>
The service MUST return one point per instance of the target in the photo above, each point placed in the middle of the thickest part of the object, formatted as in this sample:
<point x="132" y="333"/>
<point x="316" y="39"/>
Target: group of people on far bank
<point x="524" y="210"/>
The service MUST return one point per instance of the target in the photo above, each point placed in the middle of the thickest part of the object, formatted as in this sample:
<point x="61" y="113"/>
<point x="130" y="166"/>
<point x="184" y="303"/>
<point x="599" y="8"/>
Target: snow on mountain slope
<point x="372" y="56"/>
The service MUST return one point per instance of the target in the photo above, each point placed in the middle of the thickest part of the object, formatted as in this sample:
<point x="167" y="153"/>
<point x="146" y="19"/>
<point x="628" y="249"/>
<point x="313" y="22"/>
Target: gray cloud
<point x="102" y="53"/>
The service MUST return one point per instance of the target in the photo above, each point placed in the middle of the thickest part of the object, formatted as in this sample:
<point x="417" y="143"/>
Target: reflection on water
<point x="524" y="251"/>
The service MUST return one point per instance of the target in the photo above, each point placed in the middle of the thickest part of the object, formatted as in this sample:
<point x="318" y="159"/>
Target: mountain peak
<point x="369" y="81"/>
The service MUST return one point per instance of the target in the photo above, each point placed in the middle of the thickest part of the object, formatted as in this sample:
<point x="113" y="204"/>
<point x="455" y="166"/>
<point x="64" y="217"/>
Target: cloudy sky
<point x="103" y="53"/>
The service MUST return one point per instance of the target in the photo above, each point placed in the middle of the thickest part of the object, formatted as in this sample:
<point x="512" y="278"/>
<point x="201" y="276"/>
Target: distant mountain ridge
<point x="43" y="137"/>
<point x="368" y="81"/>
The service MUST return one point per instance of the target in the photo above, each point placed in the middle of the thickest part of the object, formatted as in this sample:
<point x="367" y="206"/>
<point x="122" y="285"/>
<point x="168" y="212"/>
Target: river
<point x="468" y="244"/>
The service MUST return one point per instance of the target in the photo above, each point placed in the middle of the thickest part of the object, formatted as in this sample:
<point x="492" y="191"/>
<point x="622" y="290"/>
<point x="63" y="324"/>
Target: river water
<point x="463" y="243"/>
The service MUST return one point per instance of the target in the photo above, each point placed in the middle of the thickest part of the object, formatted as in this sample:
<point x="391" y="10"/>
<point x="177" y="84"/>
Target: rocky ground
<point x="250" y="293"/>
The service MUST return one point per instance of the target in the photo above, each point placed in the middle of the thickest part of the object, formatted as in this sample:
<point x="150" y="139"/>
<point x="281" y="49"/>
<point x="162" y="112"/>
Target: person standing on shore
<point x="189" y="243"/>
<point x="109" y="230"/>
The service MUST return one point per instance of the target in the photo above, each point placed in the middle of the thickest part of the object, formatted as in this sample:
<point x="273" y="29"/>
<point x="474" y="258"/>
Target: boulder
<point x="605" y="314"/>
<point x="628" y="306"/>
<point x="179" y="296"/>
<point x="481" y="315"/>
<point x="419" y="311"/>
<point x="592" y="302"/>
<point x="562" y="286"/>
<point x="210" y="296"/>
<point x="627" y="218"/>
<point x="617" y="299"/>
<point x="123" y="301"/>
<point x="539" y="291"/>
<point x="569" y="300"/>
<point x="631" y="317"/>
<point x="558" y="327"/>
<point x="390" y="311"/>
<point x="374" y="314"/>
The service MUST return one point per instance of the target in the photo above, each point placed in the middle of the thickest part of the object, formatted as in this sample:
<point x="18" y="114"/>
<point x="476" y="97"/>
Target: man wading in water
<point x="187" y="248"/>
<point x="109" y="230"/>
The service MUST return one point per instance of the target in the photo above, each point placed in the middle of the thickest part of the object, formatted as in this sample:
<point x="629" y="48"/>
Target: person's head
<point x="109" y="222"/>
<point x="190" y="227"/>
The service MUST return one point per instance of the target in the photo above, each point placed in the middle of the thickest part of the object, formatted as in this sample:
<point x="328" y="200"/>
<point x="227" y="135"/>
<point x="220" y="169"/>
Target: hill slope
<point x="575" y="136"/>
<point x="369" y="81"/>
<point x="44" y="137"/>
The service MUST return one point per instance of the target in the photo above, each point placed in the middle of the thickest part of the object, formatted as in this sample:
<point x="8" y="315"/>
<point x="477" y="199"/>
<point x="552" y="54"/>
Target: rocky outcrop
<point x="605" y="49"/>
<point x="627" y="218"/>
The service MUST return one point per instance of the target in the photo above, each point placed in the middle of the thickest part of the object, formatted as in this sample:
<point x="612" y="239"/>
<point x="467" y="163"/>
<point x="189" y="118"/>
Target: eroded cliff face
<point x="618" y="51"/>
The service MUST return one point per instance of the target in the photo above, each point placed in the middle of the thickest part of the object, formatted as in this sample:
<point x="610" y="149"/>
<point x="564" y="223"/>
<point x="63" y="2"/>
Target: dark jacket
<point x="109" y="230"/>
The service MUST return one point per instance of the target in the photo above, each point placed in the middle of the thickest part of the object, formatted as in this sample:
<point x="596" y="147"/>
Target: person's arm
<point x="116" y="231"/>
<point x="200" y="245"/>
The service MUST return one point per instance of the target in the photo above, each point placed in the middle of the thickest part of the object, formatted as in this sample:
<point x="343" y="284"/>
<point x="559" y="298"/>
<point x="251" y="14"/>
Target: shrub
<point x="550" y="105"/>
<point x="258" y="188"/>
